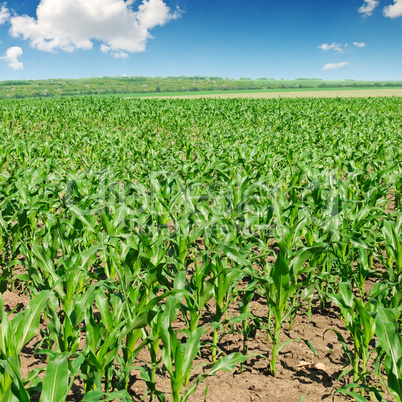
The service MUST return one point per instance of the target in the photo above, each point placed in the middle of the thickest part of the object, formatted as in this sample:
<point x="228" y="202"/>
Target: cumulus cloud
<point x="11" y="56"/>
<point x="4" y="14"/>
<point x="333" y="46"/>
<point x="331" y="66"/>
<point x="368" y="7"/>
<point x="359" y="44"/>
<point x="74" y="24"/>
<point x="394" y="10"/>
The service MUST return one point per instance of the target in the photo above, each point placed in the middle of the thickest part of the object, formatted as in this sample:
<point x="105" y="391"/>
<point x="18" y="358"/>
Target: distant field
<point x="182" y="86"/>
<point x="284" y="93"/>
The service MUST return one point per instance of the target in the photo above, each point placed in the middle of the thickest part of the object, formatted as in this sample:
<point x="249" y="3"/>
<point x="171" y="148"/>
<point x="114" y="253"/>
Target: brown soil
<point x="297" y="375"/>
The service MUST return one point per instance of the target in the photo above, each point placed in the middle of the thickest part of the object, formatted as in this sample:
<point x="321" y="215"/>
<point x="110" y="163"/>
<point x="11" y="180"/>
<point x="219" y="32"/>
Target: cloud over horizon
<point x="69" y="25"/>
<point x="11" y="57"/>
<point x="331" y="66"/>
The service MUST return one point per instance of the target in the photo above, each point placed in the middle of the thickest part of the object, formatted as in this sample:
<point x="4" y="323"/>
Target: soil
<point x="300" y="374"/>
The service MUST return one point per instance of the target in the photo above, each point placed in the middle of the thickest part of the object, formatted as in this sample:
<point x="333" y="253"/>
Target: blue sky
<point x="357" y="39"/>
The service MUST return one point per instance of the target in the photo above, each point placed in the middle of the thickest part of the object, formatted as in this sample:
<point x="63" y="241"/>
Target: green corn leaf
<point x="104" y="308"/>
<point x="235" y="256"/>
<point x="55" y="382"/>
<point x="297" y="263"/>
<point x="83" y="218"/>
<point x="15" y="391"/>
<point x="192" y="348"/>
<point x="280" y="276"/>
<point x="45" y="263"/>
<point x="357" y="397"/>
<point x="95" y="396"/>
<point x="390" y="341"/>
<point x="229" y="362"/>
<point x="226" y="363"/>
<point x="29" y="324"/>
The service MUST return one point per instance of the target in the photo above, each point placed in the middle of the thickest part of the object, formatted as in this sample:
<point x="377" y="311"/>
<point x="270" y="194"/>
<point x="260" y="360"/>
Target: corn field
<point x="121" y="219"/>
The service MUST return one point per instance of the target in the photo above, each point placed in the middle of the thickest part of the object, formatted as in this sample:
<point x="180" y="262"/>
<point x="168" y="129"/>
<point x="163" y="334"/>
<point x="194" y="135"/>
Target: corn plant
<point x="393" y="263"/>
<point x="360" y="321"/>
<point x="390" y="341"/>
<point x="200" y="291"/>
<point x="223" y="281"/>
<point x="178" y="357"/>
<point x="279" y="286"/>
<point x="14" y="336"/>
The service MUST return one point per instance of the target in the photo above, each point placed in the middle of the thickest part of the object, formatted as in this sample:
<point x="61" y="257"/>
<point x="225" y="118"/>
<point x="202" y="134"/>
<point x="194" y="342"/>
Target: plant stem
<point x="275" y="349"/>
<point x="356" y="361"/>
<point x="175" y="394"/>
<point x="214" y="343"/>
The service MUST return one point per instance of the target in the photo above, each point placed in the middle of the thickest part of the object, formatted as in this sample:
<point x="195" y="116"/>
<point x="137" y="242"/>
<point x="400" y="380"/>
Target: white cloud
<point x="74" y="24"/>
<point x="359" y="44"/>
<point x="333" y="46"/>
<point x="331" y="66"/>
<point x="104" y="48"/>
<point x="11" y="56"/>
<point x="154" y="12"/>
<point x="368" y="7"/>
<point x="4" y="14"/>
<point x="120" y="55"/>
<point x="394" y="10"/>
<point x="117" y="55"/>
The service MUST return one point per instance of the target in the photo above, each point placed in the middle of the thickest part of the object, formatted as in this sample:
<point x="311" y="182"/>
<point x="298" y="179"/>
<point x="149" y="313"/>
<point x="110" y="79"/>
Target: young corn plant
<point x="14" y="336"/>
<point x="249" y="323"/>
<point x="152" y="334"/>
<point x="200" y="291"/>
<point x="360" y="321"/>
<point x="110" y="333"/>
<point x="393" y="262"/>
<point x="178" y="356"/>
<point x="223" y="280"/>
<point x="279" y="285"/>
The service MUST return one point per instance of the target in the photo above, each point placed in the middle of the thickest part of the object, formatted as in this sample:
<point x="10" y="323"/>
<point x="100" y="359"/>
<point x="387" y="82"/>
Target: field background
<point x="176" y="86"/>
